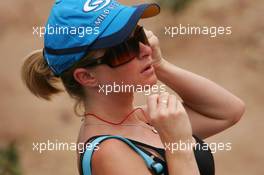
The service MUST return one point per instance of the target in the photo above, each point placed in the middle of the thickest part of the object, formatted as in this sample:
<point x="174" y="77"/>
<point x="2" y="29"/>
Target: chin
<point x="151" y="80"/>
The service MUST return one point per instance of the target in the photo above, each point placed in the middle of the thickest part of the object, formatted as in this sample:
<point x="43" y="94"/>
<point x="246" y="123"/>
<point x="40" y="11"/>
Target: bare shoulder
<point x="115" y="157"/>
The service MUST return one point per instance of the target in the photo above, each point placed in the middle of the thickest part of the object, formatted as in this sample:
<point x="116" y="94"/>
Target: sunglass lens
<point x="142" y="37"/>
<point x="128" y="50"/>
<point x="121" y="54"/>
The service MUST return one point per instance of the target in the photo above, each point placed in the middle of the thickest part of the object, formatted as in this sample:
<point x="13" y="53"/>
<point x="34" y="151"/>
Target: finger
<point x="152" y="101"/>
<point x="180" y="106"/>
<point x="148" y="33"/>
<point x="172" y="103"/>
<point x="152" y="40"/>
<point x="163" y="100"/>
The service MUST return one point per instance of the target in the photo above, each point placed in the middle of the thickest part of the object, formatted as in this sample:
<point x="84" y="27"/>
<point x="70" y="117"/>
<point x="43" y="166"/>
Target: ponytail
<point x="40" y="80"/>
<point x="38" y="77"/>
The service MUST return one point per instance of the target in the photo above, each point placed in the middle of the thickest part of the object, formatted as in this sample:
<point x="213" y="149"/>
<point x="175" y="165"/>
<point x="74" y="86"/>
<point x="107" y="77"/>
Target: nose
<point x="144" y="51"/>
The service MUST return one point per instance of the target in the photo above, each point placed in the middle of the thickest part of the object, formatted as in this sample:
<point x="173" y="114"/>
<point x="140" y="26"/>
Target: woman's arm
<point x="182" y="162"/>
<point x="210" y="107"/>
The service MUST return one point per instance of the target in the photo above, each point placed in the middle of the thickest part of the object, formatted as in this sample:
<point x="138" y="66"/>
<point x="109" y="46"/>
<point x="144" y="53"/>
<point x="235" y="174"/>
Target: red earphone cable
<point x="126" y="117"/>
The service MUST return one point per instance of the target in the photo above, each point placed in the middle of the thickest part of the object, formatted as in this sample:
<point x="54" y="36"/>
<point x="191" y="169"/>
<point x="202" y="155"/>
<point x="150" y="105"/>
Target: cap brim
<point x="151" y="10"/>
<point x="123" y="24"/>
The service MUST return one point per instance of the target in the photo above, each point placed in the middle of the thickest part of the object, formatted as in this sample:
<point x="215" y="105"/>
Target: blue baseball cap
<point x="75" y="27"/>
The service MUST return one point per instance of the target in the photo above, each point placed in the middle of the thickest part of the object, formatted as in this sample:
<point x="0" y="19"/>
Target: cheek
<point x="104" y="74"/>
<point x="130" y="74"/>
<point x="127" y="73"/>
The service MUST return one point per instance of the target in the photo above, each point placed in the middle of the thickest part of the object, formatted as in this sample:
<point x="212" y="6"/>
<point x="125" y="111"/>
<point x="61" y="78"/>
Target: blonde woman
<point x="115" y="49"/>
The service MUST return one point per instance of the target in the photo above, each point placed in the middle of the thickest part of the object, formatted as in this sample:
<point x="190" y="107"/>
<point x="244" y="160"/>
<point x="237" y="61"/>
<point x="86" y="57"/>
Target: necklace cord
<point x="122" y="121"/>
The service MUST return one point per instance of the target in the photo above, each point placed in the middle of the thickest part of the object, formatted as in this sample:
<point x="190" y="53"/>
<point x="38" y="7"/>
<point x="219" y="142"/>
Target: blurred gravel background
<point x="234" y="61"/>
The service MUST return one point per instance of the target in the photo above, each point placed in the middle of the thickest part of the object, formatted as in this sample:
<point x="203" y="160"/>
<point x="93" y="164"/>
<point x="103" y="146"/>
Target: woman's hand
<point x="169" y="118"/>
<point x="156" y="51"/>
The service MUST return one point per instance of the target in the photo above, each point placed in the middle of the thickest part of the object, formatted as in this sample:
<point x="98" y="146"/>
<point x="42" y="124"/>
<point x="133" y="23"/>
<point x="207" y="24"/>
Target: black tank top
<point x="204" y="157"/>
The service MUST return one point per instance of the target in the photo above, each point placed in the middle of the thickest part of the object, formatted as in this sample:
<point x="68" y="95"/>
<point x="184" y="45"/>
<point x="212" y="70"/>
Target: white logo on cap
<point x="95" y="6"/>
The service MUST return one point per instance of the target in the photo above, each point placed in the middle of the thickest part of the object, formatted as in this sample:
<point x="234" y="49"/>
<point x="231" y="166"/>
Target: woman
<point x="117" y="50"/>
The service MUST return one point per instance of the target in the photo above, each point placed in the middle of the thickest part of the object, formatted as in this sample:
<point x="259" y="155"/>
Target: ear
<point x="85" y="77"/>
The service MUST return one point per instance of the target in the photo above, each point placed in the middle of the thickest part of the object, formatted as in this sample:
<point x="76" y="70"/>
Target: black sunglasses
<point x="122" y="53"/>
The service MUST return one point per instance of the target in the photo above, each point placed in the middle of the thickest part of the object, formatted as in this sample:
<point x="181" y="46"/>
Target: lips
<point x="146" y="67"/>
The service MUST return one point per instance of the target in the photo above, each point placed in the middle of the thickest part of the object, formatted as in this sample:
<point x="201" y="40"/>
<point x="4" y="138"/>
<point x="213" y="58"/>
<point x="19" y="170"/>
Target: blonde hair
<point x="41" y="81"/>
